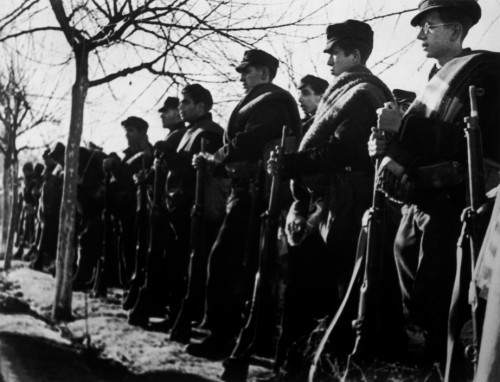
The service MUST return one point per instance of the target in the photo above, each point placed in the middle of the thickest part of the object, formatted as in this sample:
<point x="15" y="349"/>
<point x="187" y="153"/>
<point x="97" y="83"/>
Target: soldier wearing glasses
<point x="430" y="144"/>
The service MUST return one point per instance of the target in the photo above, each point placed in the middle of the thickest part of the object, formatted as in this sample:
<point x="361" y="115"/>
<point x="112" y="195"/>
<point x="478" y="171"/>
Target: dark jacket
<point x="256" y="120"/>
<point x="181" y="178"/>
<point x="333" y="166"/>
<point x="432" y="130"/>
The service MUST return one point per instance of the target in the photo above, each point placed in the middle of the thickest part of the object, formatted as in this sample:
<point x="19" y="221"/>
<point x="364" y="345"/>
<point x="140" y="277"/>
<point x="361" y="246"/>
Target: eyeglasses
<point x="426" y="28"/>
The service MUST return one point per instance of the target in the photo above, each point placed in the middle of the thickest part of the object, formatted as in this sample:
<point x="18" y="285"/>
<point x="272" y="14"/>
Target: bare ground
<point x="98" y="345"/>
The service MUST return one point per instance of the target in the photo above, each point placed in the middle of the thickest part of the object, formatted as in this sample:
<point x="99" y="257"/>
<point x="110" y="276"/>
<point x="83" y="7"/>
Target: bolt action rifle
<point x="182" y="329"/>
<point x="99" y="287"/>
<point x="365" y="293"/>
<point x="141" y="229"/>
<point x="469" y="244"/>
<point x="236" y="366"/>
<point x="151" y="292"/>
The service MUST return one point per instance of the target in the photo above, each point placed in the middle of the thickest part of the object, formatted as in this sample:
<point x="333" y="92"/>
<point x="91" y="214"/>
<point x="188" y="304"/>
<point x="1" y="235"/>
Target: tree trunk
<point x="14" y="217"/>
<point x="65" y="241"/>
<point x="6" y="203"/>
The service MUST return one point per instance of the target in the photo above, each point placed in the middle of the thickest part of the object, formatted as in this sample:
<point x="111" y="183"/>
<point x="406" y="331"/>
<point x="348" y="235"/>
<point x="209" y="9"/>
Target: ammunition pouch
<point x="424" y="179"/>
<point x="242" y="170"/>
<point x="440" y="175"/>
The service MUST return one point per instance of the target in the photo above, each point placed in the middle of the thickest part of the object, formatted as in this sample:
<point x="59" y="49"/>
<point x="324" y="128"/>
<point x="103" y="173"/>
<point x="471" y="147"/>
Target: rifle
<point x="365" y="289"/>
<point x="469" y="241"/>
<point x="369" y="323"/>
<point x="151" y="292"/>
<point x="99" y="287"/>
<point x="182" y="329"/>
<point x="237" y="365"/>
<point x="141" y="228"/>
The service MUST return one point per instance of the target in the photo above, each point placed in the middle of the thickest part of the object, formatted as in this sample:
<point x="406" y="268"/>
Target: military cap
<point x="39" y="169"/>
<point x="403" y="96"/>
<point x="470" y="8"/>
<point x="258" y="57"/>
<point x="28" y="167"/>
<point x="136" y="122"/>
<point x="56" y="151"/>
<point x="349" y="29"/>
<point x="317" y="84"/>
<point x="170" y="103"/>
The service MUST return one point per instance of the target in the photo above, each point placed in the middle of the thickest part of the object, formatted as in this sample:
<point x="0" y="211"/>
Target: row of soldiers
<point x="184" y="224"/>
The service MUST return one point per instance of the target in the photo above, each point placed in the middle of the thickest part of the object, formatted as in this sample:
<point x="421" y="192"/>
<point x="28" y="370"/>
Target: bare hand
<point x="377" y="144"/>
<point x="110" y="162"/>
<point x="202" y="158"/>
<point x="272" y="164"/>
<point x="393" y="166"/>
<point x="296" y="229"/>
<point x="389" y="118"/>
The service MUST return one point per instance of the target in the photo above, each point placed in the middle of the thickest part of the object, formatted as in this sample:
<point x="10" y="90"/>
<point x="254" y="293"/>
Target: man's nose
<point x="421" y="34"/>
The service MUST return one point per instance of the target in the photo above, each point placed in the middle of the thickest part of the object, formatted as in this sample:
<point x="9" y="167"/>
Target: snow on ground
<point x="133" y="352"/>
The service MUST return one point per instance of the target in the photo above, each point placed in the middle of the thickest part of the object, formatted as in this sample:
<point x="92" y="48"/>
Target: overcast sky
<point x="396" y="57"/>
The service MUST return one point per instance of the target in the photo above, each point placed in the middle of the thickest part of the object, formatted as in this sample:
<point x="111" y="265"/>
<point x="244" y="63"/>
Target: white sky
<point x="141" y="95"/>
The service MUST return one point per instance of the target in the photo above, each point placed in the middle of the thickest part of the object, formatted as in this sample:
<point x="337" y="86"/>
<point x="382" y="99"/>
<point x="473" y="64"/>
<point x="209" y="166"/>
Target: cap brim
<point x="474" y="12"/>
<point x="330" y="44"/>
<point x="415" y="21"/>
<point x="242" y="66"/>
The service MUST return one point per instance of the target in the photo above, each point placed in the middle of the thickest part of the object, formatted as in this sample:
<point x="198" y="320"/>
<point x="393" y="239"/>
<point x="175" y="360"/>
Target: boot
<point x="140" y="313"/>
<point x="235" y="369"/>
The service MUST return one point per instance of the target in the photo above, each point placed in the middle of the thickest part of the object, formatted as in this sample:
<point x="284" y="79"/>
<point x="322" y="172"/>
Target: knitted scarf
<point x="339" y="95"/>
<point x="446" y="92"/>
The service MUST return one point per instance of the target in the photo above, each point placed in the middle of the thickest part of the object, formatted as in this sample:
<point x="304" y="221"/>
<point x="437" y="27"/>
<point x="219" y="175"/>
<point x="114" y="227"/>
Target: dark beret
<point x="136" y="122"/>
<point x="403" y="96"/>
<point x="39" y="169"/>
<point x="170" y="103"/>
<point x="317" y="84"/>
<point x="470" y="8"/>
<point x="57" y="152"/>
<point x="348" y="30"/>
<point x="258" y="57"/>
<point x="28" y="167"/>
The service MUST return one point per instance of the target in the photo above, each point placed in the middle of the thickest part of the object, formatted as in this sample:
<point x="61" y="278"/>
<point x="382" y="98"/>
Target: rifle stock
<point x="181" y="331"/>
<point x="470" y="236"/>
<point x="236" y="367"/>
<point x="142" y="232"/>
<point x="364" y="290"/>
<point x="99" y="288"/>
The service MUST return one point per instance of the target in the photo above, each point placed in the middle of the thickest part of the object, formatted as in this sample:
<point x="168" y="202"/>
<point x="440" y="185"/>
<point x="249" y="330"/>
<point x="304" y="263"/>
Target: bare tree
<point x="17" y="118"/>
<point x="155" y="35"/>
<point x="163" y="37"/>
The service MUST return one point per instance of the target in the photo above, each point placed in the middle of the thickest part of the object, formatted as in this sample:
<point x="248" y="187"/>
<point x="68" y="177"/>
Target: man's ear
<point x="201" y="108"/>
<point x="457" y="32"/>
<point x="265" y="73"/>
<point x="356" y="56"/>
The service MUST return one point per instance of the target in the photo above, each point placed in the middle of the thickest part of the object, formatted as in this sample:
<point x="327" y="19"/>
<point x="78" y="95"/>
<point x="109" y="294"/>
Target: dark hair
<point x="272" y="70"/>
<point x="199" y="95"/>
<point x="349" y="45"/>
<point x="456" y="15"/>
<point x="317" y="84"/>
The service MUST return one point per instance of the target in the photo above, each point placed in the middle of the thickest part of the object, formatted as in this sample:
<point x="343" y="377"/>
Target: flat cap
<point x="403" y="96"/>
<point x="349" y="29"/>
<point x="170" y="103"/>
<point x="317" y="84"/>
<point x="258" y="57"/>
<point x="136" y="122"/>
<point x="470" y="8"/>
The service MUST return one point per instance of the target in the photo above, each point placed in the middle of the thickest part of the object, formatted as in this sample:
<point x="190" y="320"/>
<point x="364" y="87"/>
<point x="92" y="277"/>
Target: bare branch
<point x="29" y="31"/>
